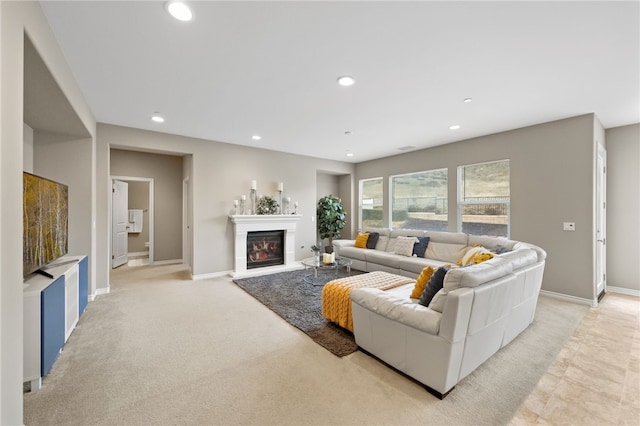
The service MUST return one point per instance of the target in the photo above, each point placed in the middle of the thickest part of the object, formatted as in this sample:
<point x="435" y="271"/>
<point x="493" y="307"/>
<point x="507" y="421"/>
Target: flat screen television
<point x="45" y="222"/>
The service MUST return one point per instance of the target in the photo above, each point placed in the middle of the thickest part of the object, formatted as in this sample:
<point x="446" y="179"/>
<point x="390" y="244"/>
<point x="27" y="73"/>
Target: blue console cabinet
<point x="51" y="324"/>
<point x="51" y="309"/>
<point x="84" y="285"/>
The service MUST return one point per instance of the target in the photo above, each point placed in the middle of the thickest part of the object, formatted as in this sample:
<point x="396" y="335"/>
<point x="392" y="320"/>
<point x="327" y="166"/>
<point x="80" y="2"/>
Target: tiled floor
<point x="596" y="378"/>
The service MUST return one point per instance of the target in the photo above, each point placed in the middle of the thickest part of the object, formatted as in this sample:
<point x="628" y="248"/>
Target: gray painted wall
<point x="623" y="207"/>
<point x="220" y="173"/>
<point x="552" y="173"/>
<point x="166" y="171"/>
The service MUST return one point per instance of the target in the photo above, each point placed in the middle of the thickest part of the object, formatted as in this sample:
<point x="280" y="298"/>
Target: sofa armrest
<point x="456" y="314"/>
<point x="397" y="308"/>
<point x="338" y="244"/>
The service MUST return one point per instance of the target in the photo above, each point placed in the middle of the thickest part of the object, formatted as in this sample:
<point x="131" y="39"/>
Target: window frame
<point x="391" y="192"/>
<point x="461" y="203"/>
<point x="360" y="199"/>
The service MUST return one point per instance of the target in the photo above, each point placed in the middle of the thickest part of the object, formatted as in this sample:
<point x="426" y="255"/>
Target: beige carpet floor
<point x="160" y="349"/>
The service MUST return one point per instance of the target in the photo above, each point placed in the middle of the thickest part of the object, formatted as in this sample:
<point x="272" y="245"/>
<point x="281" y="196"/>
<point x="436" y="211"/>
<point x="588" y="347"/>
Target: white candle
<point x="288" y="199"/>
<point x="280" y="186"/>
<point x="244" y="198"/>
<point x="235" y="203"/>
<point x="254" y="184"/>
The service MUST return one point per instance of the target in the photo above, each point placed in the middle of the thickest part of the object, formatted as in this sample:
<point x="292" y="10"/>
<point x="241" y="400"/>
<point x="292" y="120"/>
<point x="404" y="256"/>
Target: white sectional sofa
<point x="480" y="309"/>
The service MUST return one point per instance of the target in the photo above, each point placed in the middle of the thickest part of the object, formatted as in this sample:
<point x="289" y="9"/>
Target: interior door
<point x="601" y="231"/>
<point x="120" y="223"/>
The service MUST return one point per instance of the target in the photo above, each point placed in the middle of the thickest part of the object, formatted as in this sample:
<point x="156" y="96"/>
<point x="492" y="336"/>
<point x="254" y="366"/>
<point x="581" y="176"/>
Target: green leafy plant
<point x="331" y="218"/>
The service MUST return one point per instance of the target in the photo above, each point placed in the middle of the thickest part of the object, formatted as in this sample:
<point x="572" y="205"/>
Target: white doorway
<point x="120" y="223"/>
<point x="117" y="247"/>
<point x="187" y="254"/>
<point x="601" y="220"/>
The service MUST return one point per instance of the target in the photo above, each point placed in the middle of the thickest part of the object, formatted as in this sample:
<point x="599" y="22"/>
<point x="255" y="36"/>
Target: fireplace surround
<point x="244" y="224"/>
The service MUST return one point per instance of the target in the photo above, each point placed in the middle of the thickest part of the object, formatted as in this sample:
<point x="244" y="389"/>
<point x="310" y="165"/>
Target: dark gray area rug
<point x="300" y="304"/>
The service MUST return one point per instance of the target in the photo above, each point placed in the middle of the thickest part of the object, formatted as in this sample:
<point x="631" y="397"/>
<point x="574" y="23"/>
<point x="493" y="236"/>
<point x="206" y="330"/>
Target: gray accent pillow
<point x="373" y="240"/>
<point x="434" y="285"/>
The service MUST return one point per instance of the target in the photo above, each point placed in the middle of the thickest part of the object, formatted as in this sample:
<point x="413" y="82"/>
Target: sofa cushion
<point x="404" y="246"/>
<point x="381" y="245"/>
<point x="448" y="237"/>
<point x="361" y="240"/>
<point x="445" y="252"/>
<point x="415" y="265"/>
<point x="390" y="260"/>
<point x="491" y="242"/>
<point x="474" y="275"/>
<point x="421" y="282"/>
<point x="434" y="285"/>
<point x="353" y="253"/>
<point x="420" y="247"/>
<point x="438" y="301"/>
<point x="398" y="308"/>
<point x="372" y="240"/>
<point x="521" y="257"/>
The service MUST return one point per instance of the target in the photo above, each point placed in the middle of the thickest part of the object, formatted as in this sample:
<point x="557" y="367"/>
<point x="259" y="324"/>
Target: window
<point x="419" y="200"/>
<point x="483" y="198"/>
<point x="371" y="202"/>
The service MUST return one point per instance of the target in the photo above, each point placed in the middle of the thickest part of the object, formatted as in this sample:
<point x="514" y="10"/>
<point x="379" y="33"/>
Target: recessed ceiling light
<point x="157" y="118"/>
<point x="256" y="137"/>
<point x="454" y="127"/>
<point x="467" y="100"/>
<point x="349" y="154"/>
<point x="346" y="80"/>
<point x="348" y="132"/>
<point x="179" y="10"/>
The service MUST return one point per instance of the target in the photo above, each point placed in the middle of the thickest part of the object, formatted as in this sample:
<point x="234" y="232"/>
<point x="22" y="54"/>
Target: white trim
<point x="567" y="298"/>
<point x="138" y="254"/>
<point x="151" y="182"/>
<point x="210" y="275"/>
<point x="99" y="292"/>
<point x="622" y="290"/>
<point x="167" y="262"/>
<point x="266" y="270"/>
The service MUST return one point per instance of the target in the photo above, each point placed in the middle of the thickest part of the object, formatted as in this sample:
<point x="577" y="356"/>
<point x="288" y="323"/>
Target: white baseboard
<point x="138" y="254"/>
<point x="211" y="275"/>
<point x="99" y="292"/>
<point x="167" y="262"/>
<point x="267" y="270"/>
<point x="622" y="290"/>
<point x="568" y="298"/>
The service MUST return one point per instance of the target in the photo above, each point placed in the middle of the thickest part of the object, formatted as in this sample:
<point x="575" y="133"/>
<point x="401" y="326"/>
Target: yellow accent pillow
<point x="361" y="240"/>
<point x="481" y="257"/>
<point x="422" y="282"/>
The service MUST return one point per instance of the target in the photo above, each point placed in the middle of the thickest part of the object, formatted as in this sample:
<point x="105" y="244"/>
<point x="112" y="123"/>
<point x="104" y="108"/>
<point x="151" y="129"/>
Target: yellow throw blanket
<point x="336" y="303"/>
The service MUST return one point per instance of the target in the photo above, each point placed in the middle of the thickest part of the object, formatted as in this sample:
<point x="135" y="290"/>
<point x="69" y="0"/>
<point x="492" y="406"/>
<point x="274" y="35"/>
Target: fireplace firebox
<point x="265" y="248"/>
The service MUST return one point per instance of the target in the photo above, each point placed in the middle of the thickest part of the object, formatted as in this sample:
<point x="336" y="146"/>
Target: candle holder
<point x="280" y="201"/>
<point x="241" y="208"/>
<point x="295" y="207"/>
<point x="285" y="204"/>
<point x="252" y="196"/>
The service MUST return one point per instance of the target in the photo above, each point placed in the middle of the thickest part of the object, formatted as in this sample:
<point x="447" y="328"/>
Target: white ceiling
<point x="270" y="68"/>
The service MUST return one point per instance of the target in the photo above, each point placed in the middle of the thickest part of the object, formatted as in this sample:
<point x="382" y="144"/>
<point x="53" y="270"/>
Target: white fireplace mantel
<point x="244" y="224"/>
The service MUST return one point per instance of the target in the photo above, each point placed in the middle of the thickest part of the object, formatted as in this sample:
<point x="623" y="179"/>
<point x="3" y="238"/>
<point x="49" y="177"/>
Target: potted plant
<point x="331" y="219"/>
